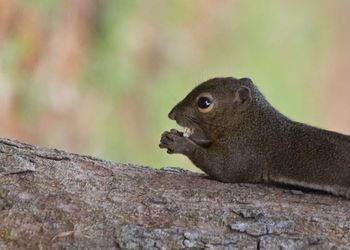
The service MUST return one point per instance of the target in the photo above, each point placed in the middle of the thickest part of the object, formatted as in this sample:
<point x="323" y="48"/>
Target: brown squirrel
<point x="234" y="135"/>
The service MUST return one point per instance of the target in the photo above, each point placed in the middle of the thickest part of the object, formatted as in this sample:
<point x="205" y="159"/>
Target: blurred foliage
<point x="99" y="77"/>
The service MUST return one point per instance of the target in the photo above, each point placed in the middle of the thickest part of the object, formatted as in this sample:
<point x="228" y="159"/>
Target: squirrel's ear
<point x="242" y="96"/>
<point x="246" y="80"/>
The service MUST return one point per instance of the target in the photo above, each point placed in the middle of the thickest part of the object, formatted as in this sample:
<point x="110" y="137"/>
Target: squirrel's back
<point x="314" y="158"/>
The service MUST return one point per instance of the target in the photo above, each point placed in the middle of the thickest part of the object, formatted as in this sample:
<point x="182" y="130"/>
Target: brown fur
<point x="244" y="139"/>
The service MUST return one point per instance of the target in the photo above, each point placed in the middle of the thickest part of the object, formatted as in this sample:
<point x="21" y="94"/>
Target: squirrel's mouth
<point x="193" y="131"/>
<point x="197" y="135"/>
<point x="188" y="132"/>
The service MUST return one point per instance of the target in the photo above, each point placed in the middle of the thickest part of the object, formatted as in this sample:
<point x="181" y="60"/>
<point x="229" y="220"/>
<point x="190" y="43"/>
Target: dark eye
<point x="204" y="102"/>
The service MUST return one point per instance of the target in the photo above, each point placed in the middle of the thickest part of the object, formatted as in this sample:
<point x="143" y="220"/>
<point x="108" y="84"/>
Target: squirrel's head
<point x="213" y="107"/>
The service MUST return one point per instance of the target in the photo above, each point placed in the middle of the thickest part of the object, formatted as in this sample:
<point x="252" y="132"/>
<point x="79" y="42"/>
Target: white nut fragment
<point x="188" y="132"/>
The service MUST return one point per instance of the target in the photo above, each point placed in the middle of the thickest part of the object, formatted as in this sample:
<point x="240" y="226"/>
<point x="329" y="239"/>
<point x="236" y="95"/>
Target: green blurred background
<point x="99" y="77"/>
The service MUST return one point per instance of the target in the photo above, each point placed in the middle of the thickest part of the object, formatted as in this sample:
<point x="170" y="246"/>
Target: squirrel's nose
<point x="172" y="114"/>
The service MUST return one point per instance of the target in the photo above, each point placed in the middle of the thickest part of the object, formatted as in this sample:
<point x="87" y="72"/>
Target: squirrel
<point x="235" y="135"/>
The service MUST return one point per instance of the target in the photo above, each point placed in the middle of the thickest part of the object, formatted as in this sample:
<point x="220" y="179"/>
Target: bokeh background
<point x="98" y="77"/>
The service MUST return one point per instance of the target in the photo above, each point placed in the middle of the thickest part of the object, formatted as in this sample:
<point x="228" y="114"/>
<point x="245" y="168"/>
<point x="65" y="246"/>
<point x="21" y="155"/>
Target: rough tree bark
<point x="51" y="199"/>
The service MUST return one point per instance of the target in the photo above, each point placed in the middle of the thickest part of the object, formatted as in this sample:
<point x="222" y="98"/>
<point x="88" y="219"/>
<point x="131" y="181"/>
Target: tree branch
<point x="53" y="199"/>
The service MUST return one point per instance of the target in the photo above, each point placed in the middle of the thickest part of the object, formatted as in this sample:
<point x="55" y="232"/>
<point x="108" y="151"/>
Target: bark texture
<point x="51" y="199"/>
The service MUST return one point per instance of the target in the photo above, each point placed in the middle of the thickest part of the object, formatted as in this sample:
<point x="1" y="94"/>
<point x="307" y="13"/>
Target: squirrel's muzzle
<point x="172" y="114"/>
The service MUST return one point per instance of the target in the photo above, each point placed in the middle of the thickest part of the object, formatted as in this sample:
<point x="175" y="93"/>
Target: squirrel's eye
<point x="204" y="102"/>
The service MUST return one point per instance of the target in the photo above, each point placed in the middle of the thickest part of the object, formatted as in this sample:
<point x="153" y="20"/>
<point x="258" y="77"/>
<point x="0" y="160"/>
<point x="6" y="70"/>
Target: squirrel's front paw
<point x="175" y="142"/>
